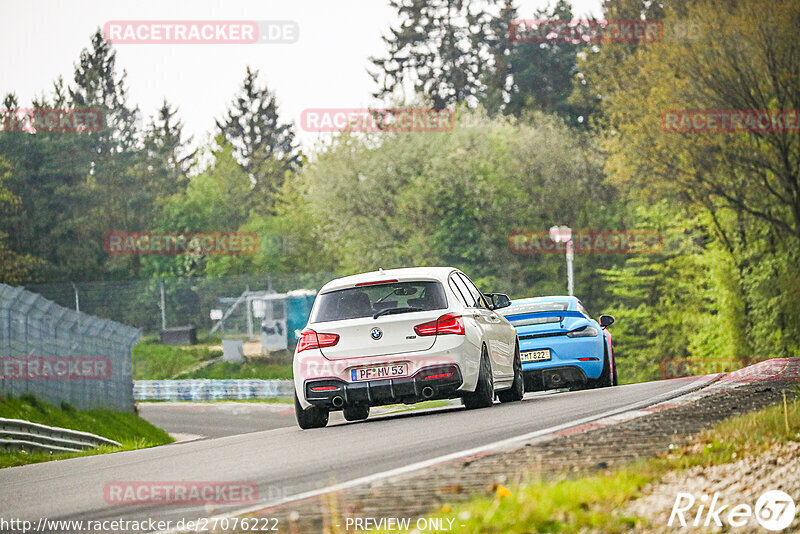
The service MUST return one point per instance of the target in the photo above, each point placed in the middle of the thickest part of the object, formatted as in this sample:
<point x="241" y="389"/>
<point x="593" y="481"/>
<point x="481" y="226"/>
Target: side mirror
<point x="606" y="320"/>
<point x="499" y="300"/>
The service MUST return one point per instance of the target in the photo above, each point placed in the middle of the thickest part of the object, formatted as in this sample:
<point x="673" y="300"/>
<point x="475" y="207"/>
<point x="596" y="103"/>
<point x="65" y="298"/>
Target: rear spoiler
<point x="521" y="315"/>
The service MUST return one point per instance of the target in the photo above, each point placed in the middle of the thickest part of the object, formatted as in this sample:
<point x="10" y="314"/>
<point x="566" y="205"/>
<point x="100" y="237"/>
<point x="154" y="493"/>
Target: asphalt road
<point x="196" y="420"/>
<point x="287" y="461"/>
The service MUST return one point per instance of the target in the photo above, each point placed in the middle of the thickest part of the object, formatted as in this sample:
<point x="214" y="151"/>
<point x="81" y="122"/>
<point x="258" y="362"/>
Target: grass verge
<point x="593" y="502"/>
<point x="128" y="429"/>
<point x="154" y="361"/>
<point x="252" y="368"/>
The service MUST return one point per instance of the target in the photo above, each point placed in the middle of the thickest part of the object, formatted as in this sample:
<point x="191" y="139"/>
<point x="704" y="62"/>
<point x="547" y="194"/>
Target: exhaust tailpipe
<point x="427" y="392"/>
<point x="555" y="379"/>
<point x="337" y="401"/>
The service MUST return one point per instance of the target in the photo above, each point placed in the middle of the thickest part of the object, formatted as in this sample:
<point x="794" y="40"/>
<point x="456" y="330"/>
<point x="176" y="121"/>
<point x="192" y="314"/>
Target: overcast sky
<point x="327" y="67"/>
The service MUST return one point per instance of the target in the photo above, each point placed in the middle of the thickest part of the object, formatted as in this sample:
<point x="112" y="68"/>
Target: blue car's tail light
<point x="586" y="331"/>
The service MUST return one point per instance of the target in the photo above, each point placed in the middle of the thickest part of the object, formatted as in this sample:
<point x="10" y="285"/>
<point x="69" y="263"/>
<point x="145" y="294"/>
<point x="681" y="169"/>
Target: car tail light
<point x="586" y="331"/>
<point x="442" y="375"/>
<point x="324" y="388"/>
<point x="309" y="339"/>
<point x="588" y="359"/>
<point x="446" y="324"/>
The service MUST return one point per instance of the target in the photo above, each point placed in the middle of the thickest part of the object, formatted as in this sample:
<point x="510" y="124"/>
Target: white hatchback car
<point x="404" y="335"/>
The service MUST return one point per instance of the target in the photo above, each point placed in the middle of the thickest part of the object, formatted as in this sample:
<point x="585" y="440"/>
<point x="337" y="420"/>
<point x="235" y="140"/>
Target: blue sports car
<point x="561" y="345"/>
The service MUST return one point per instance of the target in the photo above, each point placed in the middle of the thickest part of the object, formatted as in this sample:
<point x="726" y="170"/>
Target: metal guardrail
<point x="208" y="389"/>
<point x="19" y="435"/>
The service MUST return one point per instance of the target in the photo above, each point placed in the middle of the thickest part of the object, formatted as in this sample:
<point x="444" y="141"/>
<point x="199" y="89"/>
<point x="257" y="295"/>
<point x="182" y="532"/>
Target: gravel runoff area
<point x="738" y="483"/>
<point x="590" y="448"/>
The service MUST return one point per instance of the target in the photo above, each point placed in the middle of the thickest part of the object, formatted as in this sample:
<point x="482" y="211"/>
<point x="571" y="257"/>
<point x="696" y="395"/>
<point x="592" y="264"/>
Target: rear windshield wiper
<point x="400" y="309"/>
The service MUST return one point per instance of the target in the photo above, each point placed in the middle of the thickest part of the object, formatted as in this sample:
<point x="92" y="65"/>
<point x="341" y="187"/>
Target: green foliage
<point x="262" y="144"/>
<point x="437" y="48"/>
<point x="214" y="201"/>
<point x="153" y="361"/>
<point x="592" y="503"/>
<point x="739" y="279"/>
<point x="453" y="198"/>
<point x="726" y="287"/>
<point x="252" y="368"/>
<point x="543" y="73"/>
<point x="127" y="428"/>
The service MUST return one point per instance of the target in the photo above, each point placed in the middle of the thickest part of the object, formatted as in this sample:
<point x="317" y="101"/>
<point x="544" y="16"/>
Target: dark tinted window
<point x="475" y="295"/>
<point x="366" y="301"/>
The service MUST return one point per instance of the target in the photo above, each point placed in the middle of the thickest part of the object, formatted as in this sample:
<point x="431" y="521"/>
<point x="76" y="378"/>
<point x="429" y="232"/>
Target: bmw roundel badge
<point x="376" y="334"/>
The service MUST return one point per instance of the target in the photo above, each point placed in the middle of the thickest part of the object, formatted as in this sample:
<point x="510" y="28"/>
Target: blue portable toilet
<point x="298" y="310"/>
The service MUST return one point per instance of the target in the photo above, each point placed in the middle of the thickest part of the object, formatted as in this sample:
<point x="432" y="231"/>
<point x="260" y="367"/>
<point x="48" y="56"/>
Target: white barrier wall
<point x="205" y="390"/>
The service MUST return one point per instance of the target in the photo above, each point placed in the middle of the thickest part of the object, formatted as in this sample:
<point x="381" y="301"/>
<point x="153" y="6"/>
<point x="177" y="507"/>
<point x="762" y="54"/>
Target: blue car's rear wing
<point x="521" y="315"/>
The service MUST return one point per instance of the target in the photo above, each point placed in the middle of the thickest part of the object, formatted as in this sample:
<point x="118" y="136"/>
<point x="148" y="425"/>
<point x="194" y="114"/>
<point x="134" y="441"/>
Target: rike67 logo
<point x="774" y="510"/>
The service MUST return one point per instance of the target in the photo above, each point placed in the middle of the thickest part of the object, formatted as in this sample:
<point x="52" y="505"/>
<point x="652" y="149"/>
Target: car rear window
<point x="357" y="302"/>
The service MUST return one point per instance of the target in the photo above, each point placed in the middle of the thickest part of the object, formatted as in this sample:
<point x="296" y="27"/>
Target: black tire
<point x="614" y="381"/>
<point x="517" y="390"/>
<point x="314" y="417"/>
<point x="605" y="379"/>
<point x="356" y="413"/>
<point x="483" y="396"/>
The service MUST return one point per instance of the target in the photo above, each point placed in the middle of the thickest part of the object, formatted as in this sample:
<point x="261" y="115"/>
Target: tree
<point x="213" y="201"/>
<point x="497" y="80"/>
<point x="118" y="198"/>
<point x="263" y="145"/>
<point x="439" y="48"/>
<point x="743" y="185"/>
<point x="47" y="173"/>
<point x="542" y="73"/>
<point x="453" y="198"/>
<point x="599" y="71"/>
<point x="15" y="268"/>
<point x="167" y="159"/>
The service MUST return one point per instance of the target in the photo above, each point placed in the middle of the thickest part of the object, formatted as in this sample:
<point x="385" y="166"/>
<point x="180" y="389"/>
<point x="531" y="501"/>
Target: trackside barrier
<point x="207" y="389"/>
<point x="63" y="356"/>
<point x="19" y="435"/>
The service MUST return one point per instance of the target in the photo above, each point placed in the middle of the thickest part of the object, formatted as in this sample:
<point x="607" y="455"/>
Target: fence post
<point x="77" y="300"/>
<point x="163" y="306"/>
